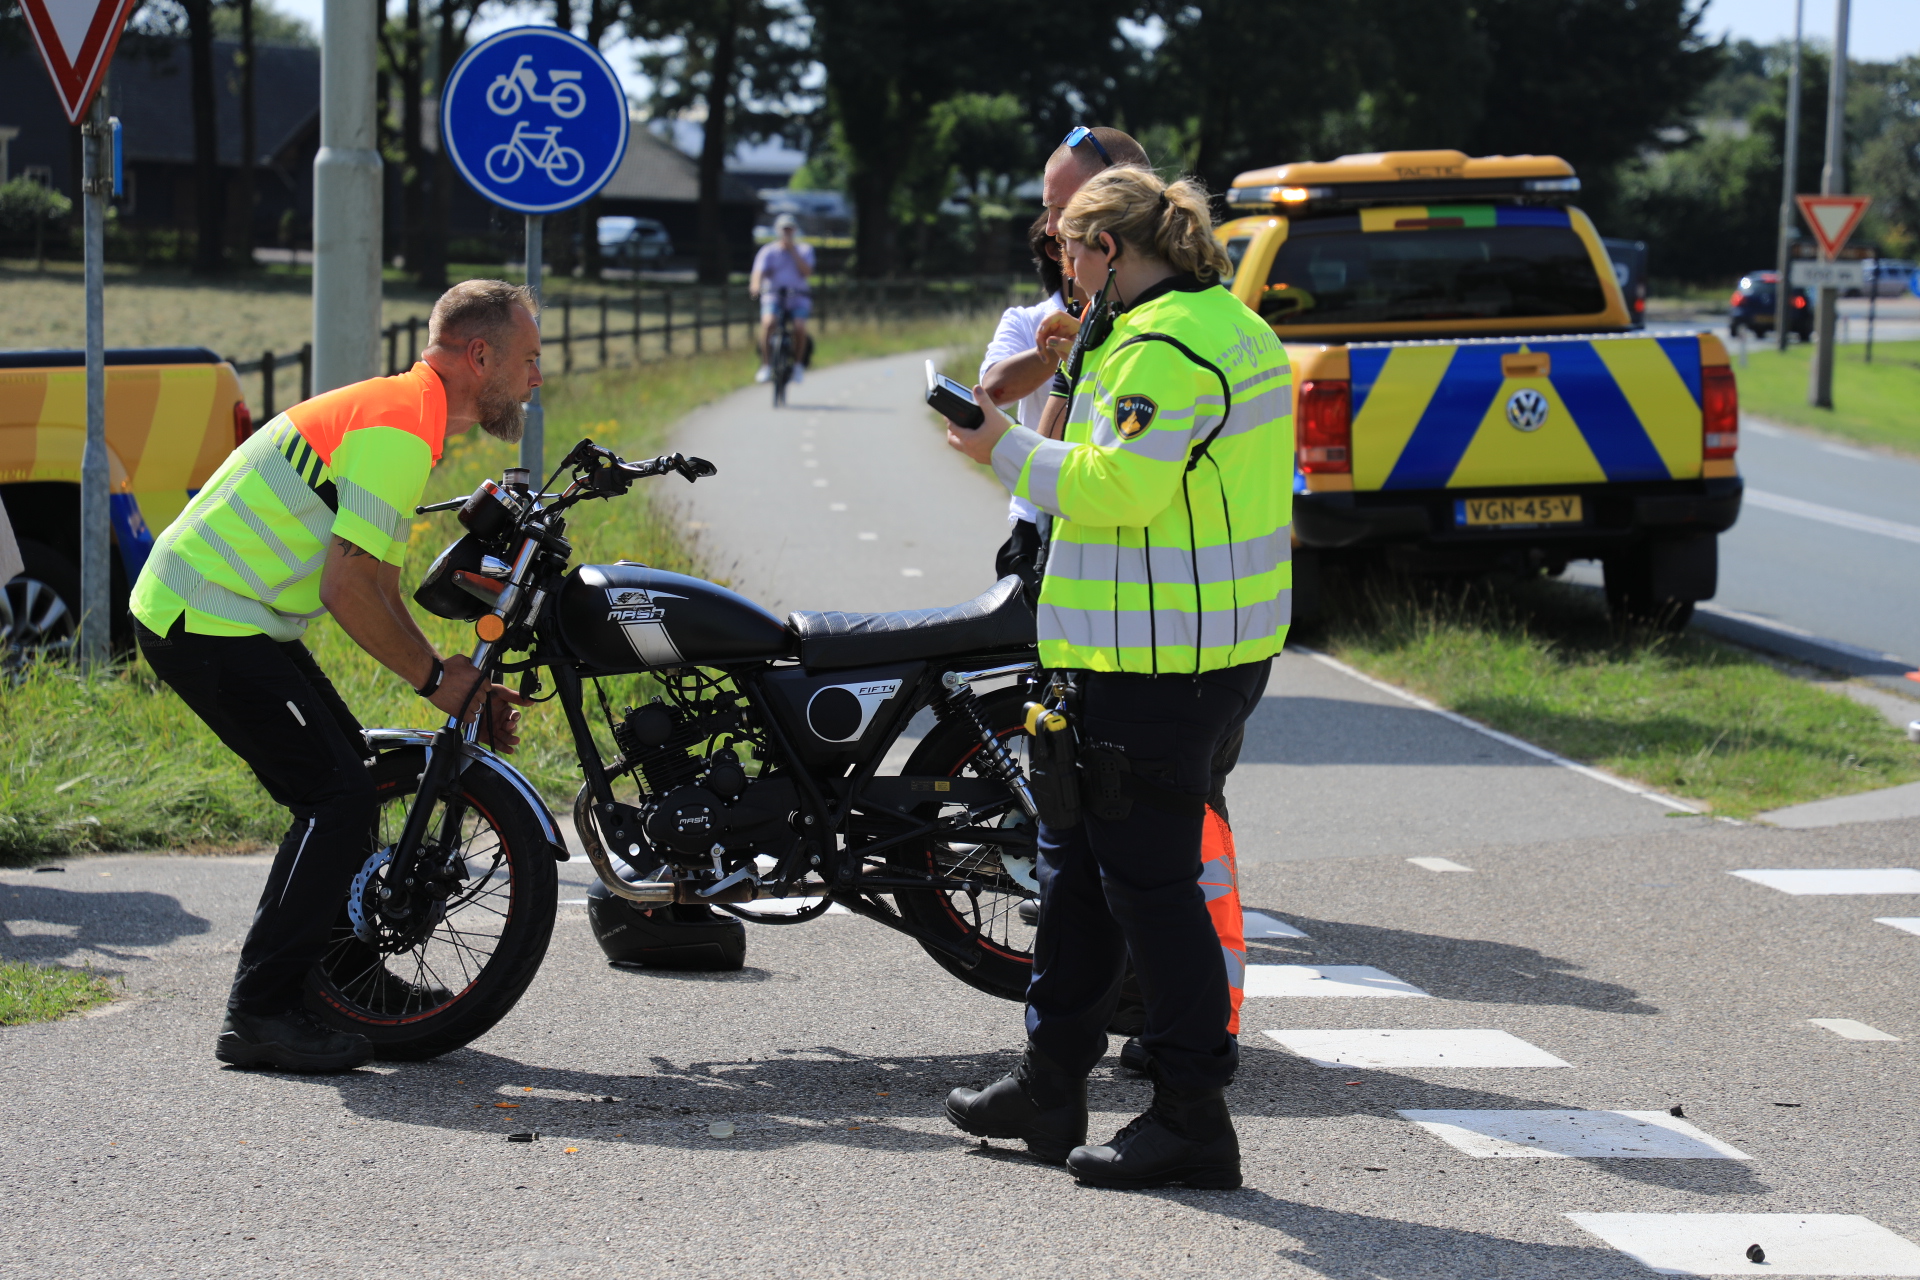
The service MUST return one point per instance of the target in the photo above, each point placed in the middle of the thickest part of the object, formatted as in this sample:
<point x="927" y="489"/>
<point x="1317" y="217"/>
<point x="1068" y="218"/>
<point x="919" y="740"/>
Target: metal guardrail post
<point x="726" y="318"/>
<point x="392" y="335"/>
<point x="413" y="340"/>
<point x="636" y="317"/>
<point x="666" y="307"/>
<point x="566" y="334"/>
<point x="306" y="371"/>
<point x="603" y="331"/>
<point x="699" y="320"/>
<point x="266" y="386"/>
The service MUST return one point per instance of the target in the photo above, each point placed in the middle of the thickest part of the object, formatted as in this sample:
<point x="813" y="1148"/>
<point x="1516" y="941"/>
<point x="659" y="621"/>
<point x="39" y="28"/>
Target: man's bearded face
<point x="502" y="416"/>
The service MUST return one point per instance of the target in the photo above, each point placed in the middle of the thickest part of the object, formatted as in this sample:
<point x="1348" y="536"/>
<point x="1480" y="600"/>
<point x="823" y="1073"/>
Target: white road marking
<point x="869" y="537"/>
<point x="1518" y="744"/>
<point x="1831" y="515"/>
<point x="913" y="573"/>
<point x="836" y="506"/>
<point x="1847" y="451"/>
<point x="1377" y="1050"/>
<point x="1438" y="864"/>
<point x="1848" y="1029"/>
<point x="1761" y="429"/>
<point x="809" y="462"/>
<point x="819" y="483"/>
<point x="1715" y="1244"/>
<point x="1258" y="924"/>
<point x="1573" y="1135"/>
<point x="1831" y="881"/>
<point x="1910" y="923"/>
<point x="1326" y="980"/>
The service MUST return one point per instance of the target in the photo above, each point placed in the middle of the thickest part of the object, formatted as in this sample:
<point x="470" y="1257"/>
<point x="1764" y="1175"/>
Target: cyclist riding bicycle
<point x="780" y="275"/>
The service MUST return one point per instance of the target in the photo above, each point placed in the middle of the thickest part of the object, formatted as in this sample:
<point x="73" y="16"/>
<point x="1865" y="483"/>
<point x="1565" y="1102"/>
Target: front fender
<point x="386" y="739"/>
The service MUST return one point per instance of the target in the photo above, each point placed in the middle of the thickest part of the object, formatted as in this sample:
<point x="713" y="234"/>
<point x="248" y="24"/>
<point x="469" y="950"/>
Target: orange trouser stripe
<point x="1220" y="881"/>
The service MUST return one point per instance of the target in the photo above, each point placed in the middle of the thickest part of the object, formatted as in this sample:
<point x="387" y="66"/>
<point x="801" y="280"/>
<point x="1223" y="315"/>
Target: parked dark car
<point x="634" y="242"/>
<point x="1751" y="307"/>
<point x="1629" y="259"/>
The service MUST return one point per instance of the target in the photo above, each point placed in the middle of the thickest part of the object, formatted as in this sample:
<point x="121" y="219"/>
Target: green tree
<point x="736" y="66"/>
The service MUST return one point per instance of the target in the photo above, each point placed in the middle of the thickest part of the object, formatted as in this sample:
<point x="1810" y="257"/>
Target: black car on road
<point x="1751" y="307"/>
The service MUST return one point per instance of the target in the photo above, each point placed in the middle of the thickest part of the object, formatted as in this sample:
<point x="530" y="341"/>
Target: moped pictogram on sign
<point x="534" y="119"/>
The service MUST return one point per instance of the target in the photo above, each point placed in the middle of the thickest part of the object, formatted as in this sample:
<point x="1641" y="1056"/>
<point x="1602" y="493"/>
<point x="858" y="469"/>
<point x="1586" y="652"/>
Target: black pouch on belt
<point x="1112" y="786"/>
<point x="1053" y="774"/>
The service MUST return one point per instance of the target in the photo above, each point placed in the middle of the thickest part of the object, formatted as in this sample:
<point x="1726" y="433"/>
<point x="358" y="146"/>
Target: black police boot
<point x="1039" y="1104"/>
<point x="1135" y="1058"/>
<point x="1186" y="1136"/>
<point x="290" y="1041"/>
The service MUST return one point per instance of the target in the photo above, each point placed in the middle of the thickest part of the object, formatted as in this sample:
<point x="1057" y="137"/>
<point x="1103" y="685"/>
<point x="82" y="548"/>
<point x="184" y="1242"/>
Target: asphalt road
<point x="1591" y="928"/>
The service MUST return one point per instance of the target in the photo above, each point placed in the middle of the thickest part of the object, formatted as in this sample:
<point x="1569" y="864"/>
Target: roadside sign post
<point x="536" y="121"/>
<point x="76" y="40"/>
<point x="1832" y="219"/>
<point x="1832" y="180"/>
<point x="1782" y="304"/>
<point x="346" y="200"/>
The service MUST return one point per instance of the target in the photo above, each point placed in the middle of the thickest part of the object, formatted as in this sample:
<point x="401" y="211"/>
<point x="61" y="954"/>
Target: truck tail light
<point x="1326" y="427"/>
<point x="1734" y="301"/>
<point x="1719" y="412"/>
<point x="242" y="423"/>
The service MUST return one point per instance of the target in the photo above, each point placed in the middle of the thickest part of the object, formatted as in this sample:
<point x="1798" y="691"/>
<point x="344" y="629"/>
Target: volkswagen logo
<point x="1527" y="410"/>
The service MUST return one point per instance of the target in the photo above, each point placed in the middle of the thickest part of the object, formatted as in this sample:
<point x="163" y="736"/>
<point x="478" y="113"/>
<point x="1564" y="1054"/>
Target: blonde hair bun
<point x="1170" y="221"/>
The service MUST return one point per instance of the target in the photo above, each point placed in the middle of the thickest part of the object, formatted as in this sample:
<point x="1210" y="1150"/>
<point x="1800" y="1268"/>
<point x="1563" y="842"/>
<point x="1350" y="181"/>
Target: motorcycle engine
<point x="698" y="802"/>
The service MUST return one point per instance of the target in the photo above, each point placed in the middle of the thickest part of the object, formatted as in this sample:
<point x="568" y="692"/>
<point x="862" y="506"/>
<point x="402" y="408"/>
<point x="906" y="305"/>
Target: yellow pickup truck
<point x="173" y="415"/>
<point x="1470" y="394"/>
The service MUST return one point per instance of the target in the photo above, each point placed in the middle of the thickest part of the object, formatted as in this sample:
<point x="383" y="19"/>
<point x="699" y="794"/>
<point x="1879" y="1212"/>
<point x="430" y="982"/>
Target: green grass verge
<point x="117" y="762"/>
<point x="1685" y="715"/>
<point x="40" y="993"/>
<point x="1876" y="403"/>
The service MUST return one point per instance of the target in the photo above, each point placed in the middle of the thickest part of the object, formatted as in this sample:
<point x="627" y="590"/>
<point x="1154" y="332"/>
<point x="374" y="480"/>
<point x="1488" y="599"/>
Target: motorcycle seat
<point x="997" y="619"/>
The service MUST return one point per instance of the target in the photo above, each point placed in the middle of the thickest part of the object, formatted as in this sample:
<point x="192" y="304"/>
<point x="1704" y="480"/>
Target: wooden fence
<point x="607" y="330"/>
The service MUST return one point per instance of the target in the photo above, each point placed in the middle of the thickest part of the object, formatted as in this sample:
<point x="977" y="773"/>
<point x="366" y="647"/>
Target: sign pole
<point x="96" y="535"/>
<point x="346" y="200"/>
<point x="1782" y="294"/>
<point x="533" y="443"/>
<point x="1832" y="180"/>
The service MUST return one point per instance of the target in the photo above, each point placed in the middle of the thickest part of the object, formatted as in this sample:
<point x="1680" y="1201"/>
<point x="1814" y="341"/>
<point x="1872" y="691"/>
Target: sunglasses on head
<point x="1081" y="133"/>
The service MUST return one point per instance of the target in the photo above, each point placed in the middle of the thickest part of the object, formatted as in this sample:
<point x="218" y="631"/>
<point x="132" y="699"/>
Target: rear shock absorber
<point x="1000" y="762"/>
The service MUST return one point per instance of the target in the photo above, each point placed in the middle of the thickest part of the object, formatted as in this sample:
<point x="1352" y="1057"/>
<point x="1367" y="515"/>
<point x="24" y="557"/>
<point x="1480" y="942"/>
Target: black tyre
<point x="1635" y="596"/>
<point x="782" y="363"/>
<point x="419" y="996"/>
<point x="39" y="608"/>
<point x="1005" y="941"/>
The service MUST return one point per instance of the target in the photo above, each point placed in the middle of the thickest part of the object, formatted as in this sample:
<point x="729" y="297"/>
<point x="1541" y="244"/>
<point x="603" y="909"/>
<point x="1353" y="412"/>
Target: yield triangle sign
<point x="1832" y="218"/>
<point x="77" y="39"/>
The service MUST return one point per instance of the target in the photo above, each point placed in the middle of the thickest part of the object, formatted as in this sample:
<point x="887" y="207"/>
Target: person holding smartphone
<point x="1164" y="599"/>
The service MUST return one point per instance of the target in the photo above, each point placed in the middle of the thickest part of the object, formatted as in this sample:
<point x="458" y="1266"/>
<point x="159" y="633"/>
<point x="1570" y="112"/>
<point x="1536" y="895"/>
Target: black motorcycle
<point x="753" y="774"/>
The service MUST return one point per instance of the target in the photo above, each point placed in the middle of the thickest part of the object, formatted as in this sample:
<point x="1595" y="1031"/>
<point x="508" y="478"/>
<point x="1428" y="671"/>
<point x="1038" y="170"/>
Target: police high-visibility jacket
<point x="1171" y="492"/>
<point x="245" y="557"/>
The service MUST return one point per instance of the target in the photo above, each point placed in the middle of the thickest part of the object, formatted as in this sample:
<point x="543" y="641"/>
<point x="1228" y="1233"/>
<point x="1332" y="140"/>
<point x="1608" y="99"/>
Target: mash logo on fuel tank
<point x="640" y="615"/>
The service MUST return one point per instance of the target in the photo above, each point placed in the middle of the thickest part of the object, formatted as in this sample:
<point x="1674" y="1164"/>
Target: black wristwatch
<point x="432" y="686"/>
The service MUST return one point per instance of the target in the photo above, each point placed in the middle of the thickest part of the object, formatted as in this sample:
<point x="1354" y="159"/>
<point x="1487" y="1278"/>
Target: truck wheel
<point x="1656" y="583"/>
<point x="40" y="608"/>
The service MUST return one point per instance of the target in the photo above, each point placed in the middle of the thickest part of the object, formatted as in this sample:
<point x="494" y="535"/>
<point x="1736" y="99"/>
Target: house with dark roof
<point x="149" y="89"/>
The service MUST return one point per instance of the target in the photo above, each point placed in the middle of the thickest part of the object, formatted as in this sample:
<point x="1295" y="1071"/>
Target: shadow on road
<point x="41" y="923"/>
<point x="1360" y="1246"/>
<point x="1450" y="968"/>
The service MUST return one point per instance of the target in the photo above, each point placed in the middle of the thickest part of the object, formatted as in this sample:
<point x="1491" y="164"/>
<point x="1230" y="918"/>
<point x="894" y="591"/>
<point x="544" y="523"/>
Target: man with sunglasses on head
<point x="1017" y="369"/>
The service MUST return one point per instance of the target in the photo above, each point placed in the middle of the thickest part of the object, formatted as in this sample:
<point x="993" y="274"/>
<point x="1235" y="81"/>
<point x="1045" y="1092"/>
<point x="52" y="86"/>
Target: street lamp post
<point x="346" y="201"/>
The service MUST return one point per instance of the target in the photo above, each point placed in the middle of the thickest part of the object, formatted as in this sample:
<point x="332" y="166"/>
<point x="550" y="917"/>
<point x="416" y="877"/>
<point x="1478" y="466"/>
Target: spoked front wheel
<point x="986" y="921"/>
<point x="420" y="985"/>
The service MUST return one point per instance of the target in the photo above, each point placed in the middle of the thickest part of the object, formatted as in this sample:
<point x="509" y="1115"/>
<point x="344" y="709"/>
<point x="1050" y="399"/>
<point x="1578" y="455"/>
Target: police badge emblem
<point x="1133" y="415"/>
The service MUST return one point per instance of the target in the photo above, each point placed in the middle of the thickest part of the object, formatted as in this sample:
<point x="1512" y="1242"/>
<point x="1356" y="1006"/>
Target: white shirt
<point x="1015" y="335"/>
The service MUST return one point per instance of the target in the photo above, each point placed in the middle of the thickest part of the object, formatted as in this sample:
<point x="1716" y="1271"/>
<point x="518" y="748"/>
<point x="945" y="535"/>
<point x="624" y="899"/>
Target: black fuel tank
<point x="628" y="617"/>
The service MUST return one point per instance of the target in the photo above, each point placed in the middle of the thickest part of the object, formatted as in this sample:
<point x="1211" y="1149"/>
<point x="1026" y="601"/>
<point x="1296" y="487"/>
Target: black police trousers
<point x="274" y="708"/>
<point x="1110" y="890"/>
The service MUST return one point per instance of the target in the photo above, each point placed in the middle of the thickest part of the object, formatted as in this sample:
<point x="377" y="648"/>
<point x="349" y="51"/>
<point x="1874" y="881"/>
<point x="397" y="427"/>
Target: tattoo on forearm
<point x="349" y="550"/>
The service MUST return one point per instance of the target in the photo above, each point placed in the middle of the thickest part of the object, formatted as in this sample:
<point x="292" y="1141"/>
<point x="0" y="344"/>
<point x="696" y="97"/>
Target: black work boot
<point x="1039" y="1104"/>
<point x="290" y="1041"/>
<point x="1186" y="1136"/>
<point x="1135" y="1058"/>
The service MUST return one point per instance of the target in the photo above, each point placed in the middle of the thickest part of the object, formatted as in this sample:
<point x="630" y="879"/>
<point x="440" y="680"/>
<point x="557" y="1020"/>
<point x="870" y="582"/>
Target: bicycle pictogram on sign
<point x="534" y="119"/>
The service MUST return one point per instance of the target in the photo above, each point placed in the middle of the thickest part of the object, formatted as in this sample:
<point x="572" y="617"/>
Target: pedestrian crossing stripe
<point x="1573" y="1135"/>
<point x="1271" y="981"/>
<point x="1792" y="1244"/>
<point x="1835" y="881"/>
<point x="1368" y="1049"/>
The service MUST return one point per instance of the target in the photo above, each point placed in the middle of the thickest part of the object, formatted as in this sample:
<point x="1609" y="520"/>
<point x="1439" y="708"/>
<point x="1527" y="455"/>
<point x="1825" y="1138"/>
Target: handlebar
<point x="600" y="472"/>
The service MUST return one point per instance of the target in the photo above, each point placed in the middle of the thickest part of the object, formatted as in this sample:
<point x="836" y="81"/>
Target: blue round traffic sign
<point x="535" y="119"/>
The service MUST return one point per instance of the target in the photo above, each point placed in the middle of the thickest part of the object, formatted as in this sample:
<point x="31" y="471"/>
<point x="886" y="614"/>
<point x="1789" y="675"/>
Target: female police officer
<point x="1166" y="597"/>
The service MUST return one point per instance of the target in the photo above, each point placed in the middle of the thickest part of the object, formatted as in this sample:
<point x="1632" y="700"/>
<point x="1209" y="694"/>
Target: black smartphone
<point x="951" y="400"/>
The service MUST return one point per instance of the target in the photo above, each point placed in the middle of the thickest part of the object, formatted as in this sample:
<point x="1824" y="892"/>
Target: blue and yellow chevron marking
<point x="1440" y="217"/>
<point x="1435" y="417"/>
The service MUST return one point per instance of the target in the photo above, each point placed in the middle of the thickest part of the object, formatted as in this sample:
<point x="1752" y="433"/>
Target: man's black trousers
<point x="274" y="708"/>
<point x="1114" y="889"/>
